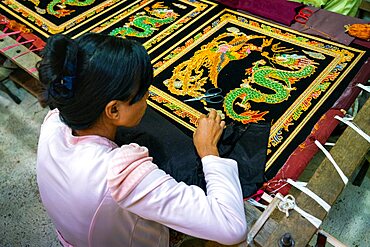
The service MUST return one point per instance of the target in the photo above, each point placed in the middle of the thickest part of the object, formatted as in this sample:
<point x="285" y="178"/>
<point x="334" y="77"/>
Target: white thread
<point x="328" y="155"/>
<point x="304" y="184"/>
<point x="266" y="197"/>
<point x="366" y="88"/>
<point x="312" y="219"/>
<point x="256" y="204"/>
<point x="310" y="193"/>
<point x="288" y="202"/>
<point x="354" y="127"/>
<point x="278" y="189"/>
<point x="329" y="144"/>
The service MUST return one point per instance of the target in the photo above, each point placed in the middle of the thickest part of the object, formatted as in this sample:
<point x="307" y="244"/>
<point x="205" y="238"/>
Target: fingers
<point x="218" y="118"/>
<point x="208" y="134"/>
<point x="212" y="114"/>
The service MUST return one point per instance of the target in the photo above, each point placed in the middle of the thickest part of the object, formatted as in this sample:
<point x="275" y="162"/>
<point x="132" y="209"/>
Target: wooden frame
<point x="349" y="151"/>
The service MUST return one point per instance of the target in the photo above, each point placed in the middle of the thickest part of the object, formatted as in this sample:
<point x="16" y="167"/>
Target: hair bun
<point x="60" y="60"/>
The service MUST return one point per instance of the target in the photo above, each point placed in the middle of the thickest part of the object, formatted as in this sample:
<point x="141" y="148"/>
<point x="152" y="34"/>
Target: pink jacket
<point x="98" y="194"/>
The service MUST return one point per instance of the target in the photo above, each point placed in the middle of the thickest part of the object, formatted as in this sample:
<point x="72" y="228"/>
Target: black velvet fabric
<point x="174" y="152"/>
<point x="247" y="144"/>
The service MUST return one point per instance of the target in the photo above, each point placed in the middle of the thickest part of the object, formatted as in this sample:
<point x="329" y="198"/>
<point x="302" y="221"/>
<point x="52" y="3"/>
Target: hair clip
<point x="62" y="88"/>
<point x="67" y="82"/>
<point x="70" y="67"/>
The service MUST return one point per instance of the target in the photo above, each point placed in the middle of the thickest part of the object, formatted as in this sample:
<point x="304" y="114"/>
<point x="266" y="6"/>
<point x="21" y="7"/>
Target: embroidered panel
<point x="152" y="22"/>
<point x="57" y="16"/>
<point x="265" y="73"/>
<point x="147" y="21"/>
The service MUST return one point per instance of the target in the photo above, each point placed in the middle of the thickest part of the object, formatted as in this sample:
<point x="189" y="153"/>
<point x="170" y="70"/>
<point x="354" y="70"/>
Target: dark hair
<point x="82" y="76"/>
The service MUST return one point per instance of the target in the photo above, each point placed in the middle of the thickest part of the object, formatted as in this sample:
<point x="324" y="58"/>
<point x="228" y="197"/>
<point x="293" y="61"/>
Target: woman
<point x="100" y="194"/>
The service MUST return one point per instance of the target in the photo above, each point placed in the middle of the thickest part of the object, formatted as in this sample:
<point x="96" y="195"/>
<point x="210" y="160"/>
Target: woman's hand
<point x="208" y="134"/>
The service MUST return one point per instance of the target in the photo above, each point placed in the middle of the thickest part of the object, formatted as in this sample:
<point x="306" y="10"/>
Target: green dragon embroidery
<point x="147" y="23"/>
<point x="62" y="5"/>
<point x="268" y="77"/>
<point x="189" y="77"/>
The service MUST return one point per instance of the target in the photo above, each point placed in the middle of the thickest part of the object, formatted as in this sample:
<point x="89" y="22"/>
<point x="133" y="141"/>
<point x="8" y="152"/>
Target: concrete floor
<point x="25" y="223"/>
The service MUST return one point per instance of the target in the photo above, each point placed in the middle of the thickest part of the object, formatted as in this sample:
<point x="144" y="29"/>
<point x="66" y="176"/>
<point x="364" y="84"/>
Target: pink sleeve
<point x="217" y="216"/>
<point x="129" y="165"/>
